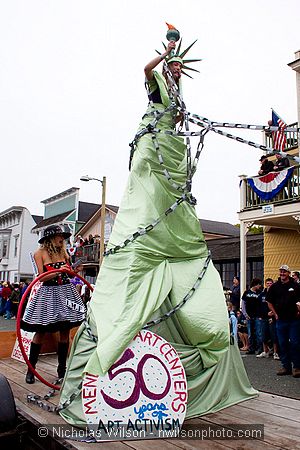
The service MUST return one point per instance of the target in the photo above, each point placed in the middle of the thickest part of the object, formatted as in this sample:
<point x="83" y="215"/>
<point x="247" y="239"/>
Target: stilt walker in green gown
<point x="157" y="271"/>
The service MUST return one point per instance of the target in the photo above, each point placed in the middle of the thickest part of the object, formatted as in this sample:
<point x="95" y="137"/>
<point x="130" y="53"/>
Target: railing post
<point x="242" y="191"/>
<point x="244" y="227"/>
<point x="242" y="257"/>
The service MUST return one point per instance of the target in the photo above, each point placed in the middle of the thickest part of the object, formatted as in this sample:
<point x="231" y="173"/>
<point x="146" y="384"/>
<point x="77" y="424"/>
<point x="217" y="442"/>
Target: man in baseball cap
<point x="285" y="268"/>
<point x="282" y="298"/>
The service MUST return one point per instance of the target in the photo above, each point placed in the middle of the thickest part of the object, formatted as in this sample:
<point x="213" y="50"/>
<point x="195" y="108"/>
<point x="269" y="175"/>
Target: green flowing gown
<point x="151" y="275"/>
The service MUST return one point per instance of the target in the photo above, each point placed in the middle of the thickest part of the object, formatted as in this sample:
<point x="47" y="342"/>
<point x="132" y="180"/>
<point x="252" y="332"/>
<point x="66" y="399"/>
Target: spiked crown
<point x="178" y="55"/>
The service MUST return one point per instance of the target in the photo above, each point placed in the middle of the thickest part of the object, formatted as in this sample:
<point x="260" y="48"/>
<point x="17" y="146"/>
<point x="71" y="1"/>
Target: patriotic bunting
<point x="267" y="186"/>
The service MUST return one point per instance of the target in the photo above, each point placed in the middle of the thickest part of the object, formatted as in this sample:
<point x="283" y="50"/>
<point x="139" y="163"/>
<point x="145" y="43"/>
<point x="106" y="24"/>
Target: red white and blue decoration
<point x="279" y="136"/>
<point x="268" y="186"/>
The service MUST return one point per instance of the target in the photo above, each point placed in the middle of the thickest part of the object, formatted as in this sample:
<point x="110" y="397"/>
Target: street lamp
<point x="103" y="183"/>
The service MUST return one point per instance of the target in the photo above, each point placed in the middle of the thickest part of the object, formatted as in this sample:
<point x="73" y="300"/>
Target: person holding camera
<point x="266" y="166"/>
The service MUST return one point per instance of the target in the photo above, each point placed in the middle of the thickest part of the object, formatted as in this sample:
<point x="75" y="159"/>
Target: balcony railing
<point x="88" y="253"/>
<point x="290" y="193"/>
<point x="291" y="138"/>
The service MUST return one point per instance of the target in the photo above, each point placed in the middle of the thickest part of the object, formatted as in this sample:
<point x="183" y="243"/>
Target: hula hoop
<point x="20" y="315"/>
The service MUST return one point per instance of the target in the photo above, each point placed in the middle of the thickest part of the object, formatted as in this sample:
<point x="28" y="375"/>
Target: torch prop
<point x="172" y="35"/>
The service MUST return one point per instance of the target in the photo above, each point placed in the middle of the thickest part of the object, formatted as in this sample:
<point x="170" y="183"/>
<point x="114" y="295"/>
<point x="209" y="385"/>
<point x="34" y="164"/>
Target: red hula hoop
<point x="20" y="315"/>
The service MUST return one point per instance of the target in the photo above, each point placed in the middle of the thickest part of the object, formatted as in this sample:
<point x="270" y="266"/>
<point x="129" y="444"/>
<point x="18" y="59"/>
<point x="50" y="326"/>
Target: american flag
<point x="279" y="137"/>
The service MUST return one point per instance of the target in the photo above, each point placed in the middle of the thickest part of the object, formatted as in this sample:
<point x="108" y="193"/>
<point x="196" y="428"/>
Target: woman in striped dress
<point x="56" y="306"/>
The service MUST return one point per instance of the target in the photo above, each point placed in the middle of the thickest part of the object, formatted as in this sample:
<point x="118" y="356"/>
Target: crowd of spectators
<point x="82" y="246"/>
<point x="10" y="296"/>
<point x="80" y="242"/>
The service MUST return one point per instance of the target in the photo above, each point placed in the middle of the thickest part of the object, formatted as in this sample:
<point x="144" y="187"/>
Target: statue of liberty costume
<point x="157" y="273"/>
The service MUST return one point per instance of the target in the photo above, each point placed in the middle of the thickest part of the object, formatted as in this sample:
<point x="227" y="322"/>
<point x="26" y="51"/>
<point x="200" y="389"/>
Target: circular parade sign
<point x="143" y="395"/>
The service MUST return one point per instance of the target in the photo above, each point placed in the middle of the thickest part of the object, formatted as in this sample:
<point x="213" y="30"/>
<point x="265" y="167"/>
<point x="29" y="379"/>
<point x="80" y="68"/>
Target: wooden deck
<point x="279" y="415"/>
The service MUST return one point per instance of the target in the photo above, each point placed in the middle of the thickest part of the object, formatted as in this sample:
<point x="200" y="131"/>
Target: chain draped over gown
<point x="151" y="275"/>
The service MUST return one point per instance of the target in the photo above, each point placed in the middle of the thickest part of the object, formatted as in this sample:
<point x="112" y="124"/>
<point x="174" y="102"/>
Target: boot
<point x="62" y="353"/>
<point x="296" y="373"/>
<point x="284" y="371"/>
<point x="33" y="357"/>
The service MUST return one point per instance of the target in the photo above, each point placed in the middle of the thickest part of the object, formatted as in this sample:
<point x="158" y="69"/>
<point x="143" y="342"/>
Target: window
<point x="4" y="245"/>
<point x="219" y="269"/>
<point x="5" y="249"/>
<point x="258" y="269"/>
<point x="16" y="246"/>
<point x="229" y="271"/>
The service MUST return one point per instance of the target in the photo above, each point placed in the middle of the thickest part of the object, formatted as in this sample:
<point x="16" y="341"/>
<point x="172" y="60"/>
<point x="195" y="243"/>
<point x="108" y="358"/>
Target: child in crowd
<point x="232" y="322"/>
<point x="242" y="331"/>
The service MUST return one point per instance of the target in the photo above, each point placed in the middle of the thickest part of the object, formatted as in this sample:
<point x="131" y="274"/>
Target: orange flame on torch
<point x="170" y="27"/>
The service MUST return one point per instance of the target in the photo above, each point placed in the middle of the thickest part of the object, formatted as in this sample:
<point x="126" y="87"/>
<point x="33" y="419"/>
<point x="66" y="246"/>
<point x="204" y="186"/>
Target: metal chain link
<point x="241" y="125"/>
<point x="89" y="332"/>
<point x="204" y="122"/>
<point x="148" y="228"/>
<point x="165" y="170"/>
<point x="38" y="400"/>
<point x="151" y="126"/>
<point x="270" y="150"/>
<point x="185" y="299"/>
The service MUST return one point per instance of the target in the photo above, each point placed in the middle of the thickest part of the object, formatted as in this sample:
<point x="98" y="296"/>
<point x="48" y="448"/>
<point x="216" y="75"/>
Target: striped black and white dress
<point x="56" y="306"/>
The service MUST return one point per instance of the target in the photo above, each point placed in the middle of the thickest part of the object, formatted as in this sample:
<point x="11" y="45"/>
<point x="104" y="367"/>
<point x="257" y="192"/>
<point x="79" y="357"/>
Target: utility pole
<point x="103" y="213"/>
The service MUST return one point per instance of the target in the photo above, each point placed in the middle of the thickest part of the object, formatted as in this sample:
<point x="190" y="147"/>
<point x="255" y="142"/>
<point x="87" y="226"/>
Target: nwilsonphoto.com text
<point x="132" y="430"/>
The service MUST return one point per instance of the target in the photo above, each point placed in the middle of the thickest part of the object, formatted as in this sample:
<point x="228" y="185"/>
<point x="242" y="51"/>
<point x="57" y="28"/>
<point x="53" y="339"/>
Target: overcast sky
<point x="72" y="92"/>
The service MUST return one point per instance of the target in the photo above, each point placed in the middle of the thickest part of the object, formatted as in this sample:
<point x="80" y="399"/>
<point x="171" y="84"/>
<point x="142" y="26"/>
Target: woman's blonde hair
<point x="49" y="246"/>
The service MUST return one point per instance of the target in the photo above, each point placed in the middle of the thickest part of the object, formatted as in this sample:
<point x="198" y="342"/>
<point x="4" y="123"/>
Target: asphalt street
<point x="262" y="375"/>
<point x="261" y="371"/>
